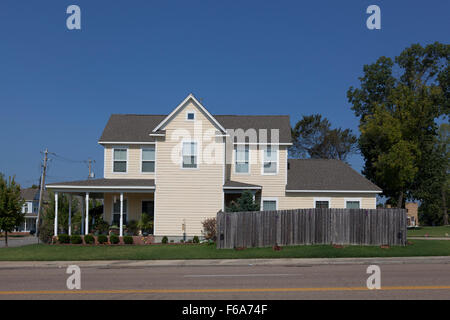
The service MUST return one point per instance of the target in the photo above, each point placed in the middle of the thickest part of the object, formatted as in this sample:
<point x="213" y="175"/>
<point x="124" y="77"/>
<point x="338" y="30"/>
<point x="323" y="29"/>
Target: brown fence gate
<point x="311" y="226"/>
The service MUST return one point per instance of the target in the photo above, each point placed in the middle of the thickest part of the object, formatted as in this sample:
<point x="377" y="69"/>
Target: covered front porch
<point x="124" y="201"/>
<point x="233" y="190"/>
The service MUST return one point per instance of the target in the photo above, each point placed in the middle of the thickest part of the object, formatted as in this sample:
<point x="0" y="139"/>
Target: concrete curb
<point x="123" y="264"/>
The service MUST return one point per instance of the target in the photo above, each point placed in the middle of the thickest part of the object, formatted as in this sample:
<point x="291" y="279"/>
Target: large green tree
<point x="11" y="203"/>
<point x="399" y="103"/>
<point x="313" y="137"/>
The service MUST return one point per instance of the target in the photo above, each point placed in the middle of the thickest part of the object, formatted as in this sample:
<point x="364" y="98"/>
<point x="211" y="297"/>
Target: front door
<point x="148" y="207"/>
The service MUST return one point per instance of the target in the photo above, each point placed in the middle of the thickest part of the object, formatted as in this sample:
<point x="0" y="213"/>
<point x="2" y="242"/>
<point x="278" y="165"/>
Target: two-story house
<point x="30" y="196"/>
<point x="184" y="167"/>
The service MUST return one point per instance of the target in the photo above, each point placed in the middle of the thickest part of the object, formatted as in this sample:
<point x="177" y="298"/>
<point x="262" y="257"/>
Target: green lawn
<point x="431" y="231"/>
<point x="40" y="252"/>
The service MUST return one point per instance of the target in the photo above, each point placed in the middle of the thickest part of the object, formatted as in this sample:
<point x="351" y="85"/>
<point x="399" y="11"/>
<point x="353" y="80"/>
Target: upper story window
<point x="148" y="159"/>
<point x="270" y="160"/>
<point x="242" y="159"/>
<point x="120" y="160"/>
<point x="25" y="208"/>
<point x="190" y="115"/>
<point x="189" y="155"/>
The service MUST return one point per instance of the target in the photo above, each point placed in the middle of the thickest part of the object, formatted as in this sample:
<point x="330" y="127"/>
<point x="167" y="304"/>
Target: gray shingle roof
<point x="31" y="194"/>
<point x="107" y="183"/>
<point x="136" y="128"/>
<point x="324" y="174"/>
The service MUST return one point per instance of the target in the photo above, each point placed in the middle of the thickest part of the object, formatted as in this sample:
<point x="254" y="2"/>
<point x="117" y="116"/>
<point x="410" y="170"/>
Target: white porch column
<point x="55" y="232"/>
<point x="86" y="223"/>
<point x="25" y="225"/>
<point x="121" y="214"/>
<point x="70" y="214"/>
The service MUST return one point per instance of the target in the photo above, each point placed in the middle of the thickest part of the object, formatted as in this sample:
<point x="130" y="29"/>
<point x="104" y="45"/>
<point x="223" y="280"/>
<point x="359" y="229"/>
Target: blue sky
<point x="58" y="87"/>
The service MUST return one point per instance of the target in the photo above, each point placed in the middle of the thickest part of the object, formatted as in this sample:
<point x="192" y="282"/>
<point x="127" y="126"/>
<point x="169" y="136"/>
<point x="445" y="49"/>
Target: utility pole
<point x="41" y="192"/>
<point x="91" y="174"/>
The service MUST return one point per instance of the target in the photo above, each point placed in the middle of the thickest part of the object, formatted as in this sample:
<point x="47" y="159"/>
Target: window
<point x="321" y="204"/>
<point x="120" y="160"/>
<point x="190" y="115"/>
<point x="189" y="154"/>
<point x="148" y="159"/>
<point x="242" y="159"/>
<point x="269" y="205"/>
<point x="352" y="204"/>
<point x="116" y="212"/>
<point x="270" y="160"/>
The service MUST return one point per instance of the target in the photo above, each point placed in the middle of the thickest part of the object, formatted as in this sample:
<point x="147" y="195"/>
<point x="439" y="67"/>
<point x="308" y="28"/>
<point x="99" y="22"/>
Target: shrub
<point x="89" y="239"/>
<point x="101" y="226"/>
<point x="114" y="239"/>
<point x="164" y="240"/>
<point x="76" y="239"/>
<point x="46" y="232"/>
<point x="132" y="227"/>
<point x="145" y="223"/>
<point x="128" y="240"/>
<point x="64" y="238"/>
<point x="195" y="239"/>
<point x="209" y="228"/>
<point x="102" y="239"/>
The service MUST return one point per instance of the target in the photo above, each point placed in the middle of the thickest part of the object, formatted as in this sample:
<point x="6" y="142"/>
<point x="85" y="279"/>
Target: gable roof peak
<point x="160" y="126"/>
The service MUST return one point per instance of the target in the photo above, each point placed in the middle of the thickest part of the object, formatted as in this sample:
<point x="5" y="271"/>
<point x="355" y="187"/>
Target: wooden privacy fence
<point x="311" y="226"/>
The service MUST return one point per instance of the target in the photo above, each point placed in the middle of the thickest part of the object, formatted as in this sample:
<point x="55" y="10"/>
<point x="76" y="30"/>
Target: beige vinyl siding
<point x="187" y="195"/>
<point x="134" y="204"/>
<point x="294" y="200"/>
<point x="133" y="164"/>
<point x="272" y="185"/>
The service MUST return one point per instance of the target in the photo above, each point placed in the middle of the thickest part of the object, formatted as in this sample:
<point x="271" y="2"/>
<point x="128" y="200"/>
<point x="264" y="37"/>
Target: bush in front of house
<point x="63" y="238"/>
<point x="209" y="228"/>
<point x="195" y="239"/>
<point x="128" y="240"/>
<point x="164" y="240"/>
<point x="114" y="239"/>
<point x="102" y="239"/>
<point x="89" y="239"/>
<point x="76" y="239"/>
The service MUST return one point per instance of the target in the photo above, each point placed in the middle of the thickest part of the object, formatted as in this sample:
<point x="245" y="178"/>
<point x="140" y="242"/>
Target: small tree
<point x="11" y="204"/>
<point x="244" y="203"/>
<point x="209" y="228"/>
<point x="145" y="223"/>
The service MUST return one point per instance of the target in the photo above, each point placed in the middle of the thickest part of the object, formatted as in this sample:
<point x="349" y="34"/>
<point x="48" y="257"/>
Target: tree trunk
<point x="444" y="206"/>
<point x="6" y="238"/>
<point x="400" y="200"/>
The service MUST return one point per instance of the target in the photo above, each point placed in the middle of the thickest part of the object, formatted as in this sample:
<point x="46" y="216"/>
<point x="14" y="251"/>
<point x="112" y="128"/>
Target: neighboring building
<point x="30" y="208"/>
<point x="186" y="166"/>
<point x="412" y="209"/>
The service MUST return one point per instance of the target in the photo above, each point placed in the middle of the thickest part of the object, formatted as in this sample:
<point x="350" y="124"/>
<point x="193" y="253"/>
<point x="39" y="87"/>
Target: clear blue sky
<point x="59" y="87"/>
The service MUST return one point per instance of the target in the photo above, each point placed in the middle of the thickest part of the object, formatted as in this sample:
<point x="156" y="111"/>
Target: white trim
<point x="336" y="191"/>
<point x="112" y="159"/>
<point x="99" y="187"/>
<point x="354" y="200"/>
<point x="264" y="143"/>
<point x="196" y="155"/>
<point x="262" y="151"/>
<point x="242" y="188"/>
<point x="249" y="162"/>
<point x="269" y="199"/>
<point x="190" y="96"/>
<point x="322" y="199"/>
<point x="124" y="142"/>
<point x="154" y="170"/>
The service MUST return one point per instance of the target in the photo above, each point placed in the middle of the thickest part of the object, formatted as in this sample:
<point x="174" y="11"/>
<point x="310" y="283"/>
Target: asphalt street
<point x="348" y="281"/>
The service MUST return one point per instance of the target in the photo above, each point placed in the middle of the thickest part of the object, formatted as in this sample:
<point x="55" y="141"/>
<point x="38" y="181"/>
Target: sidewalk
<point x="428" y="238"/>
<point x="123" y="264"/>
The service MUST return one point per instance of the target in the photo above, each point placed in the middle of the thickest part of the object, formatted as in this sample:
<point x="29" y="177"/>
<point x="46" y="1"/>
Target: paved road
<point x="399" y="281"/>
<point x="18" y="241"/>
